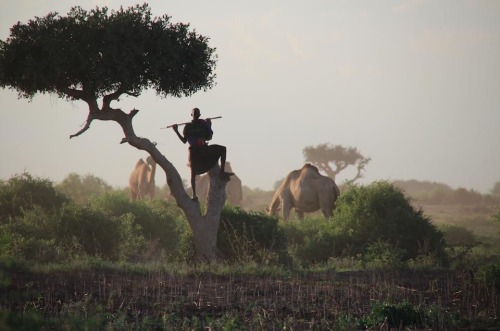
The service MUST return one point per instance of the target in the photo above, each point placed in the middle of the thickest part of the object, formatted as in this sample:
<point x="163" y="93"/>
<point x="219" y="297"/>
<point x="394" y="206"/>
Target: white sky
<point x="415" y="85"/>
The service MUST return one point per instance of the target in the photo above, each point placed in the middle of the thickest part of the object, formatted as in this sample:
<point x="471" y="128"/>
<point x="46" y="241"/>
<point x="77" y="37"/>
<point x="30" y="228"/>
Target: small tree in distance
<point x="341" y="157"/>
<point x="98" y="56"/>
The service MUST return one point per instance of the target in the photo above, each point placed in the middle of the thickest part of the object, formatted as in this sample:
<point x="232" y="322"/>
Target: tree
<point x="496" y="189"/>
<point x="342" y="157"/>
<point x="97" y="56"/>
<point x="81" y="189"/>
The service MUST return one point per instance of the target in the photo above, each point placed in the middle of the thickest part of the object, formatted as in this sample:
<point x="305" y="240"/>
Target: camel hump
<point x="308" y="167"/>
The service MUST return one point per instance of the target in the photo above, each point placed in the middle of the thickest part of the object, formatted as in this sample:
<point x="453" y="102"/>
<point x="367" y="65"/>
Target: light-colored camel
<point x="307" y="191"/>
<point x="142" y="179"/>
<point x="234" y="189"/>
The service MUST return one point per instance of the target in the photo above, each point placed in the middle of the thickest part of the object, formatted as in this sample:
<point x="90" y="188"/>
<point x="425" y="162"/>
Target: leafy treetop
<point x="341" y="157"/>
<point x="91" y="54"/>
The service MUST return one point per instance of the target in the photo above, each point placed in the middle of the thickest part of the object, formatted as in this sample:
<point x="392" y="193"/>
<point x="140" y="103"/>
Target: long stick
<point x="210" y="118"/>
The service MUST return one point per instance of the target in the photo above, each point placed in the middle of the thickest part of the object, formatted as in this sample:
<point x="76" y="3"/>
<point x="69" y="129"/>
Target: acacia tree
<point x="96" y="57"/>
<point x="342" y="157"/>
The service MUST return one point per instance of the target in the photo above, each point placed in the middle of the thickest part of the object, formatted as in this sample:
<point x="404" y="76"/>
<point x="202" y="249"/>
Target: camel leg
<point x="300" y="214"/>
<point x="327" y="212"/>
<point x="286" y="209"/>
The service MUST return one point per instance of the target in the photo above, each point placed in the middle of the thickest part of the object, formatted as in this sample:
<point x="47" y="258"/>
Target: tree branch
<point x="107" y="99"/>
<point x="90" y="118"/>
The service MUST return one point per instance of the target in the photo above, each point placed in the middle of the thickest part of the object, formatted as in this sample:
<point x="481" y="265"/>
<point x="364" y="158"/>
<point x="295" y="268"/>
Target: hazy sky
<point x="414" y="85"/>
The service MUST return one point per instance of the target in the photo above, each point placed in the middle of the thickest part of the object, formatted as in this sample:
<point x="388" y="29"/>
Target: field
<point x="206" y="300"/>
<point x="426" y="263"/>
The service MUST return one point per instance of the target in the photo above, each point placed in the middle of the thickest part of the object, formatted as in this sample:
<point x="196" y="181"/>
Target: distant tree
<point x="97" y="57"/>
<point x="81" y="189"/>
<point x="341" y="157"/>
<point x="496" y="189"/>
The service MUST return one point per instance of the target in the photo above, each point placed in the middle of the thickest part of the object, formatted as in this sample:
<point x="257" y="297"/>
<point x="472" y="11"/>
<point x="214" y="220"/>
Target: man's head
<point x="195" y="113"/>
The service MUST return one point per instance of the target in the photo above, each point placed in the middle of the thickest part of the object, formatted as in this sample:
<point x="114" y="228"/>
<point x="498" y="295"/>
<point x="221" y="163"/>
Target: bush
<point x="161" y="223"/>
<point x="381" y="212"/>
<point x="250" y="236"/>
<point x="311" y="240"/>
<point x="383" y="255"/>
<point x="24" y="191"/>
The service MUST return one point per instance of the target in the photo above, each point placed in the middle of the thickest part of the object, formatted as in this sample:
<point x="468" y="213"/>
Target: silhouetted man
<point x="202" y="156"/>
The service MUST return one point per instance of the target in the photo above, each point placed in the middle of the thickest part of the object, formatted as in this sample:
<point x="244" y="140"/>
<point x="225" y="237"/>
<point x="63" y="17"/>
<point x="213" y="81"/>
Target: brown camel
<point x="307" y="191"/>
<point x="142" y="180"/>
<point x="233" y="188"/>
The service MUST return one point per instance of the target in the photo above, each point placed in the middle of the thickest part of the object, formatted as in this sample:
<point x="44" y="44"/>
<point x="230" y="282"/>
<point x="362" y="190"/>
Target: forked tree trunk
<point x="204" y="227"/>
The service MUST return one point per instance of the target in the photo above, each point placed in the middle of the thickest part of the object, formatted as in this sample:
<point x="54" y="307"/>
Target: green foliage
<point x="311" y="240"/>
<point x="100" y="52"/>
<point x="24" y="191"/>
<point x="159" y="221"/>
<point x="455" y="235"/>
<point x="82" y="188"/>
<point x="407" y="316"/>
<point x="383" y="255"/>
<point x="496" y="217"/>
<point x="381" y="212"/>
<point x="250" y="236"/>
<point x="489" y="274"/>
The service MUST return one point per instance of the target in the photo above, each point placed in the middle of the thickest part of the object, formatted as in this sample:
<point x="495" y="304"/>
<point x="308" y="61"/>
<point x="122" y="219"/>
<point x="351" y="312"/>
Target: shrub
<point x="381" y="255"/>
<point x="250" y="236"/>
<point x="311" y="240"/>
<point x="160" y="222"/>
<point x="24" y="192"/>
<point x="381" y="212"/>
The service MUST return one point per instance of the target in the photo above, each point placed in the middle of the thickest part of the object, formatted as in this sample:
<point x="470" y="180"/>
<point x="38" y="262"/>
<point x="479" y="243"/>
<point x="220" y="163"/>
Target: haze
<point x="414" y="85"/>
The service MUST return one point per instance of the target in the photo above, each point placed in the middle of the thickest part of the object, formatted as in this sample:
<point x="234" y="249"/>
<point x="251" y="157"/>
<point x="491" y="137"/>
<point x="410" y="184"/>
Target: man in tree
<point x="202" y="157"/>
<point x="98" y="56"/>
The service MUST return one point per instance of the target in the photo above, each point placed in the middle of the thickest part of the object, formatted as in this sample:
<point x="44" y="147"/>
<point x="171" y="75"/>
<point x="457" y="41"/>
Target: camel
<point x="142" y="179"/>
<point x="233" y="188"/>
<point x="305" y="190"/>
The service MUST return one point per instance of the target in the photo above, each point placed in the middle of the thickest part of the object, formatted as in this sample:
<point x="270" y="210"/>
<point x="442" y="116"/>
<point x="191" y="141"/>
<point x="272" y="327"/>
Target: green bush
<point x="250" y="236"/>
<point x="489" y="274"/>
<point x="311" y="240"/>
<point x="162" y="224"/>
<point x="408" y="317"/>
<point x="381" y="212"/>
<point x="382" y="255"/>
<point x="24" y="191"/>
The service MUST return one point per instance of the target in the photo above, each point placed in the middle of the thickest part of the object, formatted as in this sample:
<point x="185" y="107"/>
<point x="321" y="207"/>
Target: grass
<point x="97" y="296"/>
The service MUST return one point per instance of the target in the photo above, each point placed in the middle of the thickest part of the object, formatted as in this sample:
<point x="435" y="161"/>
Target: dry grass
<point x="256" y="302"/>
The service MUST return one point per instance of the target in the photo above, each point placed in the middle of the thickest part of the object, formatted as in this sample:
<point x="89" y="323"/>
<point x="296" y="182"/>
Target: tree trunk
<point x="204" y="227"/>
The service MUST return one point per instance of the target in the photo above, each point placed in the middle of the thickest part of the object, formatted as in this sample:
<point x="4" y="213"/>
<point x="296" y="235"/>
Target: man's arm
<point x="183" y="139"/>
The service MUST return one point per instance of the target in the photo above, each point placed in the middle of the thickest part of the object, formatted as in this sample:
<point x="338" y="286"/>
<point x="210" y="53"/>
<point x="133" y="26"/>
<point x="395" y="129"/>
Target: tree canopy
<point x="90" y="54"/>
<point x="342" y="157"/>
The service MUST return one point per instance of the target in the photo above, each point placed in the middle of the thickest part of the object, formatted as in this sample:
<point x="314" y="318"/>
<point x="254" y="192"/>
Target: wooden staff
<point x="210" y="118"/>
